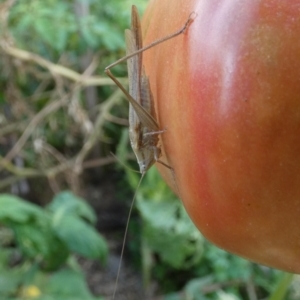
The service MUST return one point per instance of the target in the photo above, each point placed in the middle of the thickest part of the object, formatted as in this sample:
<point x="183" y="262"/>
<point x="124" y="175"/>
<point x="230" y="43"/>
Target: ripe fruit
<point x="228" y="92"/>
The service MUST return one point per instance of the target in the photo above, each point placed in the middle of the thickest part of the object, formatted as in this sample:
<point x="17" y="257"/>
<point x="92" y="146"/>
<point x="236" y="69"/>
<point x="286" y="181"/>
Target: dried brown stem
<point x="93" y="138"/>
<point x="53" y="106"/>
<point x="56" y="69"/>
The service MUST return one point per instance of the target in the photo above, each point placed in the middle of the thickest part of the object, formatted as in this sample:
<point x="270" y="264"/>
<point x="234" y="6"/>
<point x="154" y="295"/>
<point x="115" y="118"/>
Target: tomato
<point x="228" y="93"/>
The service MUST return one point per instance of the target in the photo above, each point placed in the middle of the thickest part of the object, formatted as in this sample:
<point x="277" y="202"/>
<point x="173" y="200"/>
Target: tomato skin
<point x="228" y="92"/>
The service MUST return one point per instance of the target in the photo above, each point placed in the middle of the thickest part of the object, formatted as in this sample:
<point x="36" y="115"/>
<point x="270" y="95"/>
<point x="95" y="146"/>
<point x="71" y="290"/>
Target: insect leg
<point x="154" y="132"/>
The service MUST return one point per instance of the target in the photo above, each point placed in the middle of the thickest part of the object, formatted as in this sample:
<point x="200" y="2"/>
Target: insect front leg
<point x="154" y="132"/>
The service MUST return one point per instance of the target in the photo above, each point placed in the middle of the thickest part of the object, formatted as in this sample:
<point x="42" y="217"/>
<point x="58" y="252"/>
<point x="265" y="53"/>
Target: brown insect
<point x="143" y="128"/>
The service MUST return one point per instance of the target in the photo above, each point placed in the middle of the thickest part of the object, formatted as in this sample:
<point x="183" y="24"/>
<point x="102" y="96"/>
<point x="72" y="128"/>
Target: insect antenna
<point x="125" y="235"/>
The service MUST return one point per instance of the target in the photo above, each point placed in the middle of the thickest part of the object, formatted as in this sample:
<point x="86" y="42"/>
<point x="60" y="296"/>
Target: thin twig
<point x="92" y="139"/>
<point x="57" y="69"/>
<point x="250" y="287"/>
<point x="53" y="106"/>
<point x="17" y="126"/>
<point x="21" y="173"/>
<point x="113" y="119"/>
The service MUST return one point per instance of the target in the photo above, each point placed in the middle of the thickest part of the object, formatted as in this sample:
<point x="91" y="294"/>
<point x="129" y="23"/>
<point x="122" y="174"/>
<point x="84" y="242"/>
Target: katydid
<point x="144" y="129"/>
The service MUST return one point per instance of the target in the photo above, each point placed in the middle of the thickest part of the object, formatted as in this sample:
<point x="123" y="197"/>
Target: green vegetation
<point x="45" y="241"/>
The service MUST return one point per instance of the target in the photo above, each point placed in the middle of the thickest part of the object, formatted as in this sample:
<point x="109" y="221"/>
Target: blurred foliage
<point x="51" y="120"/>
<point x="52" y="27"/>
<point x="44" y="240"/>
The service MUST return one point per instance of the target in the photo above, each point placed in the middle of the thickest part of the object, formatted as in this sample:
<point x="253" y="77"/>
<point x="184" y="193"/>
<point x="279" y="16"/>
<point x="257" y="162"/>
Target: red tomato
<point x="228" y="92"/>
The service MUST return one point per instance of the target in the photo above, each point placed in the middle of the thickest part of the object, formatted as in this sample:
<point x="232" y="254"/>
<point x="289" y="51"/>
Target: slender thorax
<point x="144" y="129"/>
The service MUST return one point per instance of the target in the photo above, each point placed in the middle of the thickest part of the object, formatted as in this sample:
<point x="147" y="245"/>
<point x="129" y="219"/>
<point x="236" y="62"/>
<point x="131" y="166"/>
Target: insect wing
<point x="138" y="112"/>
<point x="133" y="79"/>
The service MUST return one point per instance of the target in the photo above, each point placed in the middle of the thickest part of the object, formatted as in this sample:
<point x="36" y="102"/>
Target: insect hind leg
<point x="157" y="154"/>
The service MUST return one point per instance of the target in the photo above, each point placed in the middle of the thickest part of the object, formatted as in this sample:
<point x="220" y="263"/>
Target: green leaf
<point x="66" y="203"/>
<point x="222" y="264"/>
<point x="112" y="41"/>
<point x="169" y="232"/>
<point x="8" y="283"/>
<point x="5" y="254"/>
<point x="11" y="279"/>
<point x="193" y="289"/>
<point x="31" y="240"/>
<point x="65" y="284"/>
<point x="14" y="209"/>
<point x="167" y="229"/>
<point x="68" y="283"/>
<point x="39" y="242"/>
<point x="81" y="237"/>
